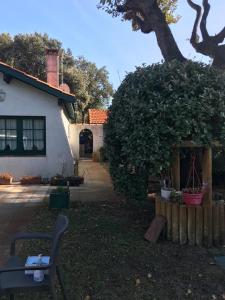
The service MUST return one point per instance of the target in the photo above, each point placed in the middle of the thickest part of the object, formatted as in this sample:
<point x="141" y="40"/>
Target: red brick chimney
<point x="52" y="67"/>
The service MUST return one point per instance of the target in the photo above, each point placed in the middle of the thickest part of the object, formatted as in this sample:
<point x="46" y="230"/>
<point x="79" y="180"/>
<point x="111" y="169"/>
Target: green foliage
<point x="155" y="108"/>
<point x="89" y="83"/>
<point x="168" y="8"/>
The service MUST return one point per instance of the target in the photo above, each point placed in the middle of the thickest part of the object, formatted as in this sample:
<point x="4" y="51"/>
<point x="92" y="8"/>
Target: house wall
<point x="24" y="100"/>
<point x="98" y="137"/>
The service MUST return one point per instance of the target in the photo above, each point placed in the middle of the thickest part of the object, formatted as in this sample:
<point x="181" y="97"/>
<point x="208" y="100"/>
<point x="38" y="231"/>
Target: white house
<point x="35" y="119"/>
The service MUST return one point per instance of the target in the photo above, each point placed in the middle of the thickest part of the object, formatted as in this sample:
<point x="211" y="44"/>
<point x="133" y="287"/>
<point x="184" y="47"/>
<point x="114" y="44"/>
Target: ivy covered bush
<point x="156" y="107"/>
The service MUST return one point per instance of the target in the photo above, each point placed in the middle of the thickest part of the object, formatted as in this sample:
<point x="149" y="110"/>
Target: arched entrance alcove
<point x="86" y="143"/>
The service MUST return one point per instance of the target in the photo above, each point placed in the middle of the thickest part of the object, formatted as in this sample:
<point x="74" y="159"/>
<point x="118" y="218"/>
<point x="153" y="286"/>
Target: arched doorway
<point x="86" y="143"/>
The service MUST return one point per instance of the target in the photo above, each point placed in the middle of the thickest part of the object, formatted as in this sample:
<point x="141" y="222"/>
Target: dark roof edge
<point x="19" y="75"/>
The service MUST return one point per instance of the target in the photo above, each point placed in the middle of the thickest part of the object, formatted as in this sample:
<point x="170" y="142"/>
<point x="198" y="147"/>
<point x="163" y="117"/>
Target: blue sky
<point x="100" y="38"/>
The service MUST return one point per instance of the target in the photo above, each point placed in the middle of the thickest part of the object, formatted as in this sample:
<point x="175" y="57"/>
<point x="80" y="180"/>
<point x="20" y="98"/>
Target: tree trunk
<point x="165" y="39"/>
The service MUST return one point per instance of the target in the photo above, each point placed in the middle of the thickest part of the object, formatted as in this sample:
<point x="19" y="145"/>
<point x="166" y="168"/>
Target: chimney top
<point x="52" y="67"/>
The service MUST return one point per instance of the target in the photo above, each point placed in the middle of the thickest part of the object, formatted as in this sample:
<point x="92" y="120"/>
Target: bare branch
<point x="219" y="38"/>
<point x="203" y="28"/>
<point x="194" y="36"/>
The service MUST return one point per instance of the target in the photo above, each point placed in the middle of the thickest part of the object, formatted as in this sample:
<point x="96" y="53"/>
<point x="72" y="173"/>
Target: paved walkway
<point x="17" y="207"/>
<point x="97" y="183"/>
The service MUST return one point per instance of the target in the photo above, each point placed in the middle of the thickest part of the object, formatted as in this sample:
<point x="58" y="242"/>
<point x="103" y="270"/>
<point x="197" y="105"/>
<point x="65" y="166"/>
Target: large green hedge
<point x="156" y="107"/>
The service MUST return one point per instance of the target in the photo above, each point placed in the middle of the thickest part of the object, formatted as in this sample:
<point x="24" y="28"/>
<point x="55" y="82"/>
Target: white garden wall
<point x="24" y="100"/>
<point x="98" y="137"/>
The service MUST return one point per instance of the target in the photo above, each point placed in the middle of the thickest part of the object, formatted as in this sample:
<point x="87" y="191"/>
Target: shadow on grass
<point x="104" y="256"/>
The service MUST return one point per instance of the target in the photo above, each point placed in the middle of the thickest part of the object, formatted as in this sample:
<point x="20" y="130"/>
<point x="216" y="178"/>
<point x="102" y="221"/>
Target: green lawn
<point x="104" y="256"/>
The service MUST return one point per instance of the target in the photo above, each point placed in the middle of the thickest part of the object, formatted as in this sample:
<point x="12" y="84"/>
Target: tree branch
<point x="194" y="36"/>
<point x="219" y="38"/>
<point x="203" y="28"/>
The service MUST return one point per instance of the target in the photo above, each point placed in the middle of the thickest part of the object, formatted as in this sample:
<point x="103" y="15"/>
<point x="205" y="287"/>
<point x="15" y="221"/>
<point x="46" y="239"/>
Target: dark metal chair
<point x="12" y="276"/>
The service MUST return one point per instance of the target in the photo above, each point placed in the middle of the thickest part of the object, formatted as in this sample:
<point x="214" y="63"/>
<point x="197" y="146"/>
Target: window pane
<point x="10" y="124"/>
<point x="38" y="135"/>
<point x="27" y="124"/>
<point x="28" y="144"/>
<point x="10" y="145"/>
<point x="2" y="134"/>
<point x="28" y="135"/>
<point x="2" y="124"/>
<point x="11" y="134"/>
<point x="2" y="144"/>
<point x="39" y="145"/>
<point x="38" y="124"/>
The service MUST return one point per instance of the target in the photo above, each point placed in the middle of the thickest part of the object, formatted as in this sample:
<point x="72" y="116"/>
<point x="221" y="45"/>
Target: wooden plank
<point x="163" y="208"/>
<point x="155" y="228"/>
<point x="207" y="175"/>
<point x="169" y="220"/>
<point x="207" y="233"/>
<point x="216" y="224"/>
<point x="191" y="225"/>
<point x="222" y="223"/>
<point x="157" y="206"/>
<point x="183" y="225"/>
<point x="199" y="225"/>
<point x="175" y="223"/>
<point x="176" y="169"/>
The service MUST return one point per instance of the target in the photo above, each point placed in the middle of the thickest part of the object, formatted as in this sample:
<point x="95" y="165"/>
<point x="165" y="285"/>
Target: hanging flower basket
<point x="192" y="196"/>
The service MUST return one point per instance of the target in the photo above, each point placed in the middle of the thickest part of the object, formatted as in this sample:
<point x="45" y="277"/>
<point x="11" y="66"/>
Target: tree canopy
<point x="155" y="109"/>
<point x="156" y="15"/>
<point x="89" y="83"/>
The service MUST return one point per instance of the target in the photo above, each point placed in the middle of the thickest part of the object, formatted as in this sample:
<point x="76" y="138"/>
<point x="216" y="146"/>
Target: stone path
<point x="17" y="208"/>
<point x="97" y="183"/>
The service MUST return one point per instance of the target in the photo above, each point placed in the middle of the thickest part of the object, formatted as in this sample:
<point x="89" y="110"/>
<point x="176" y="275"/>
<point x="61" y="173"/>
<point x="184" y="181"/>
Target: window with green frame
<point x="22" y="135"/>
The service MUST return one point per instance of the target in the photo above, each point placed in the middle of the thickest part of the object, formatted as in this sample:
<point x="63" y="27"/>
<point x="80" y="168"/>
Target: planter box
<point x="59" y="199"/>
<point x="26" y="180"/>
<point x="5" y="181"/>
<point x="58" y="181"/>
<point x="75" y="180"/>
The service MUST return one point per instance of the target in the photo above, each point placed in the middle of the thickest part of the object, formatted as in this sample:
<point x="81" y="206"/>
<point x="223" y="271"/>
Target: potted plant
<point x="166" y="188"/>
<point x="5" y="178"/>
<point x="59" y="198"/>
<point x="58" y="180"/>
<point x="192" y="196"/>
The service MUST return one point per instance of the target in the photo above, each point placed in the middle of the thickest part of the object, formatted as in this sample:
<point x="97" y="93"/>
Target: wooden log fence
<point x="193" y="225"/>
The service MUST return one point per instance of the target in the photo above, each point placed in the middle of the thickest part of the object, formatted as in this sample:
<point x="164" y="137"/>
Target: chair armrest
<point x="28" y="236"/>
<point x="33" y="268"/>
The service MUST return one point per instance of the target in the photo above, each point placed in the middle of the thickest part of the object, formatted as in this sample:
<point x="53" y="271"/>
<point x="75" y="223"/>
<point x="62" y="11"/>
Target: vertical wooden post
<point x="183" y="225"/>
<point x="175" y="223"/>
<point x="216" y="224"/>
<point x="222" y="223"/>
<point x="157" y="206"/>
<point x="191" y="225"/>
<point x="169" y="220"/>
<point x="207" y="232"/>
<point x="176" y="169"/>
<point x="207" y="175"/>
<point x="199" y="226"/>
<point x="207" y="200"/>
